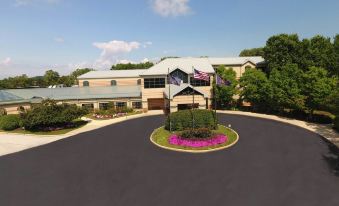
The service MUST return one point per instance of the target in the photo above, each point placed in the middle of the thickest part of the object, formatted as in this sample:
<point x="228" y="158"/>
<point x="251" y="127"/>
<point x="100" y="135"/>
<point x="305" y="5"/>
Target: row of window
<point x="118" y="105"/>
<point x="113" y="83"/>
<point x="160" y="82"/>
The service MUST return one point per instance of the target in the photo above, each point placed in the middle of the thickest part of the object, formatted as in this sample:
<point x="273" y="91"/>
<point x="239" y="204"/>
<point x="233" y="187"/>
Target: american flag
<point x="200" y="75"/>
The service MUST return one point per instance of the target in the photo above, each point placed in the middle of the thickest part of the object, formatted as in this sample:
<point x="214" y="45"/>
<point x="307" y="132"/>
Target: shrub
<point x="50" y="114"/>
<point x="196" y="133"/>
<point x="10" y="122"/>
<point x="125" y="110"/>
<point x="2" y="112"/>
<point x="336" y="123"/>
<point x="182" y="120"/>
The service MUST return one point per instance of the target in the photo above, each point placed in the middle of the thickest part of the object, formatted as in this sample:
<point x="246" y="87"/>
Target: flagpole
<point x="169" y="100"/>
<point x="193" y="99"/>
<point x="215" y="99"/>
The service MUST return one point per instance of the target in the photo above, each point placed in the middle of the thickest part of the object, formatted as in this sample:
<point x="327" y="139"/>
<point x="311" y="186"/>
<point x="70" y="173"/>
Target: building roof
<point x="177" y="89"/>
<point x="112" y="74"/>
<point x="184" y="64"/>
<point x="69" y="93"/>
<point x="235" y="60"/>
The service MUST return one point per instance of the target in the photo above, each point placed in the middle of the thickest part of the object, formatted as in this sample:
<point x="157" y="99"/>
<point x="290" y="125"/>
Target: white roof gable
<point x="234" y="60"/>
<point x="184" y="64"/>
<point x="112" y="74"/>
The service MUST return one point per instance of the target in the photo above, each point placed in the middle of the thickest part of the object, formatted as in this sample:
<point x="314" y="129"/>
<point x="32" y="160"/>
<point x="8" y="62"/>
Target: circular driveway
<point x="272" y="164"/>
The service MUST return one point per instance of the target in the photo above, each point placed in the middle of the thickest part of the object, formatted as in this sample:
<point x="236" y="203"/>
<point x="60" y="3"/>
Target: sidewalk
<point x="11" y="142"/>
<point x="324" y="130"/>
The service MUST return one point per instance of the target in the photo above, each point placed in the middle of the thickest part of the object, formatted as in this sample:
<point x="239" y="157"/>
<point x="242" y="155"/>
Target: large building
<point x="146" y="89"/>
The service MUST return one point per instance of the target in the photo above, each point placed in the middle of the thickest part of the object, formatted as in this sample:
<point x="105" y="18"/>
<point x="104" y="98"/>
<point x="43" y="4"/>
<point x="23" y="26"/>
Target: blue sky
<point x="36" y="35"/>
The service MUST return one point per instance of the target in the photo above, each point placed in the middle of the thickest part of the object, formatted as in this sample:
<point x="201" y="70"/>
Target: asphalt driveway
<point x="272" y="164"/>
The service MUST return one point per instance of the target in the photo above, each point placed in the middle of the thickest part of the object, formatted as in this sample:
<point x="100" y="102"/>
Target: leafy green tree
<point x="317" y="87"/>
<point x="130" y="66"/>
<point x="224" y="93"/>
<point x="286" y="89"/>
<point x="51" y="77"/>
<point x="336" y="52"/>
<point x="252" y="52"/>
<point x="256" y="89"/>
<point x="168" y="57"/>
<point x="322" y="53"/>
<point x="282" y="49"/>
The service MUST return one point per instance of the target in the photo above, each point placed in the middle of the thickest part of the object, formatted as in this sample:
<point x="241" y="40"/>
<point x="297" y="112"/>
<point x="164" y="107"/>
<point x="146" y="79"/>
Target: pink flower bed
<point x="179" y="141"/>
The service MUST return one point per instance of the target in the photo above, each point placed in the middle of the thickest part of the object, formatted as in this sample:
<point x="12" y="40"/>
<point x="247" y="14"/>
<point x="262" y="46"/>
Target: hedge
<point x="10" y="122"/>
<point x="50" y="114"/>
<point x="182" y="120"/>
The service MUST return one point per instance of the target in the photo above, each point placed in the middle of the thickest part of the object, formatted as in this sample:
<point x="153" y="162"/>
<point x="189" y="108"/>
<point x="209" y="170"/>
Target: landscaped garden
<point x="193" y="131"/>
<point x="47" y="118"/>
<point x="111" y="112"/>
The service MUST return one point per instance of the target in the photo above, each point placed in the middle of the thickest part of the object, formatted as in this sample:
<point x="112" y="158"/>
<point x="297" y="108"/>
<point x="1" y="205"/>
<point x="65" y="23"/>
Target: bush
<point x="10" y="122"/>
<point x="182" y="120"/>
<point x="336" y="123"/>
<point x="50" y="114"/>
<point x="196" y="133"/>
<point x="2" y="112"/>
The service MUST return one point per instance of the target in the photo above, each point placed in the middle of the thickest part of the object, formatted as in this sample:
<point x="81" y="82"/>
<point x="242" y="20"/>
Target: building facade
<point x="146" y="89"/>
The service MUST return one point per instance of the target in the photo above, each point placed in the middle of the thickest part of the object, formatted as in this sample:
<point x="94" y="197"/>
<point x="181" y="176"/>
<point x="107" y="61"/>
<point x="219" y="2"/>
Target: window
<point x="199" y="83"/>
<point x="85" y="84"/>
<point x="139" y="82"/>
<point x="88" y="106"/>
<point x="103" y="106"/>
<point x="136" y="105"/>
<point x="120" y="105"/>
<point x="154" y="83"/>
<point x="181" y="75"/>
<point x="113" y="83"/>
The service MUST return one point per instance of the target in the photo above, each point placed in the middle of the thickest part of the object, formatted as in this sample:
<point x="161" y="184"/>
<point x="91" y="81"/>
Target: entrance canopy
<point x="183" y="89"/>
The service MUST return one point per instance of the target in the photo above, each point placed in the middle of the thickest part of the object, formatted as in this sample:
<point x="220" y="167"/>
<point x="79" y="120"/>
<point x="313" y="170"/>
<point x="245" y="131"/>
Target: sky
<point x="36" y="35"/>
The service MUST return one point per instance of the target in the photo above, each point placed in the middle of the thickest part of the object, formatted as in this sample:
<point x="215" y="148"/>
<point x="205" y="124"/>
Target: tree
<point x="336" y="52"/>
<point x="317" y="87"/>
<point x="224" y="94"/>
<point x="129" y="66"/>
<point x="51" y="77"/>
<point x="282" y="49"/>
<point x="256" y="89"/>
<point x="286" y="89"/>
<point x="322" y="53"/>
<point x="252" y="52"/>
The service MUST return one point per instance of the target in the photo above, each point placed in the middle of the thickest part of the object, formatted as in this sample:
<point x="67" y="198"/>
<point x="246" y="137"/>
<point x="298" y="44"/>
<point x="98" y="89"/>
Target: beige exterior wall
<point x="239" y="69"/>
<point x="13" y="108"/>
<point x="107" y="82"/>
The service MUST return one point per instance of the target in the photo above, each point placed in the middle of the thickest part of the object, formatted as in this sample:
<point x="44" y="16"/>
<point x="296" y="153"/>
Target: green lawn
<point x="161" y="135"/>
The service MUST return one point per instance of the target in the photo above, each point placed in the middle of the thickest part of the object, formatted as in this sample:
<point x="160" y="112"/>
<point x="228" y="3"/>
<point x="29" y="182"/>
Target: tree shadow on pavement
<point x="332" y="158"/>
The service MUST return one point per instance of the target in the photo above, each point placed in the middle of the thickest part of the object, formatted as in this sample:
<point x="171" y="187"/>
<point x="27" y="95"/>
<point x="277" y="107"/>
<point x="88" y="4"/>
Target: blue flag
<point x="220" y="81"/>
<point x="174" y="80"/>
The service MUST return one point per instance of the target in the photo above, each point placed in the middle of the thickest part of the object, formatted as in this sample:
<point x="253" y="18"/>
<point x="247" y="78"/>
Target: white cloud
<point x="59" y="39"/>
<point x="29" y="2"/>
<point x="112" y="50"/>
<point x="171" y="7"/>
<point x="6" y="62"/>
<point x="146" y="44"/>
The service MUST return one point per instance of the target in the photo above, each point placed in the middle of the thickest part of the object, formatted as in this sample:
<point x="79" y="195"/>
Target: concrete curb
<point x="195" y="151"/>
